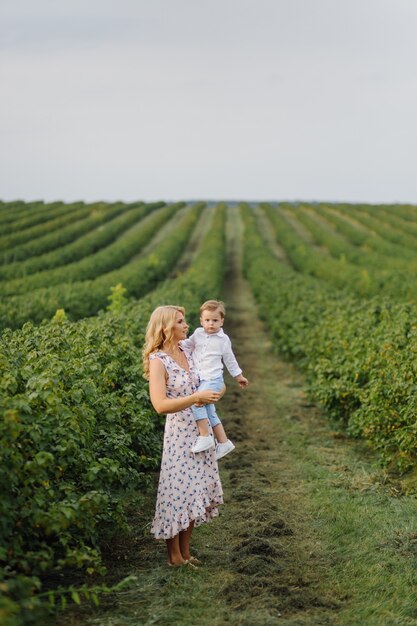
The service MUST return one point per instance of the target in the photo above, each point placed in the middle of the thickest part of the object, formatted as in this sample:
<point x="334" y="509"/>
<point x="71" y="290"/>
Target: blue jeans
<point x="208" y="411"/>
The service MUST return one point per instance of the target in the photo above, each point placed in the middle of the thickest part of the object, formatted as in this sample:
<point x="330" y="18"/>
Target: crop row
<point x="359" y="355"/>
<point x="357" y="236"/>
<point x="79" y="436"/>
<point x="66" y="215"/>
<point x="105" y="260"/>
<point x="349" y="222"/>
<point x="339" y="272"/>
<point x="12" y="261"/>
<point x="17" y="216"/>
<point x="383" y="254"/>
<point x="369" y="217"/>
<point x="395" y="219"/>
<point x="13" y="209"/>
<point x="109" y="224"/>
<point x="407" y="212"/>
<point x="84" y="298"/>
<point x="310" y="260"/>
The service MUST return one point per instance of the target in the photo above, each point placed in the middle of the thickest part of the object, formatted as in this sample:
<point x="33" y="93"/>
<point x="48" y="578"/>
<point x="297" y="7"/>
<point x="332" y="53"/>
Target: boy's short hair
<point x="212" y="305"/>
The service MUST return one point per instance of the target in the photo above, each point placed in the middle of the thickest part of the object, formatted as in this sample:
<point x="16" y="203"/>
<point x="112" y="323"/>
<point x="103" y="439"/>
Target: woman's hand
<point x="222" y="391"/>
<point x="204" y="402"/>
<point x="207" y="396"/>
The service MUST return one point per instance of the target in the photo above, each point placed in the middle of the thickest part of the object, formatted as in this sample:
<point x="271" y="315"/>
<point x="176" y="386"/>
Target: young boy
<point x="211" y="348"/>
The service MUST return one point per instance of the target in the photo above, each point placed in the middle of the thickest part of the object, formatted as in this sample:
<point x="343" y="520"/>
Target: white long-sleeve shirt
<point x="210" y="351"/>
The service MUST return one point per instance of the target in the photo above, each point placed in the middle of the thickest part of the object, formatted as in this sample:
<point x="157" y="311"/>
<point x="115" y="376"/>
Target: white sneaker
<point x="224" y="448"/>
<point x="203" y="443"/>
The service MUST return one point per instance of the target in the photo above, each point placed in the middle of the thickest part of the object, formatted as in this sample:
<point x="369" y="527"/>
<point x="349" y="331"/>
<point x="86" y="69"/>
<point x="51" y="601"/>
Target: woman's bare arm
<point x="158" y="392"/>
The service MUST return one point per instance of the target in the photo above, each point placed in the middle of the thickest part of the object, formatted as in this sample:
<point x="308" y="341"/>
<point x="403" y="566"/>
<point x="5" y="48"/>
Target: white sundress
<point x="189" y="484"/>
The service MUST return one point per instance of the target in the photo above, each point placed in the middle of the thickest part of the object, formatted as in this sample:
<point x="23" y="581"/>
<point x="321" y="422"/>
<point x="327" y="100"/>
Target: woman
<point x="189" y="485"/>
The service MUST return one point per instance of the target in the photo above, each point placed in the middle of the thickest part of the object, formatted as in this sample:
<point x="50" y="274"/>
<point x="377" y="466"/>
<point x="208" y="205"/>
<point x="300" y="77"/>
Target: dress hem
<point x="199" y="517"/>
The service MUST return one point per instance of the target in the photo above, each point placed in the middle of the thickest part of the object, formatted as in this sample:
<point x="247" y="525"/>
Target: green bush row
<point x="375" y="253"/>
<point x="14" y="209"/>
<point x="109" y="224"/>
<point x="359" y="355"/>
<point x="407" y="212"/>
<point x="35" y="251"/>
<point x="372" y="249"/>
<point x="65" y="215"/>
<point x="118" y="253"/>
<point x="85" y="298"/>
<point x="372" y="246"/>
<point x="79" y="436"/>
<point x="394" y="217"/>
<point x="26" y="214"/>
<point x="369" y="216"/>
<point x="314" y="261"/>
<point x="339" y="272"/>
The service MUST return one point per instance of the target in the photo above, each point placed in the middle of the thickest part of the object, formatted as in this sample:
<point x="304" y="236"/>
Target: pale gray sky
<point x="227" y="99"/>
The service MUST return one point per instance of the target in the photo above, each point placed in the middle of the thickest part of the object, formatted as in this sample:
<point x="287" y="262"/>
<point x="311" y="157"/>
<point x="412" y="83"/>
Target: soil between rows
<point x="275" y="554"/>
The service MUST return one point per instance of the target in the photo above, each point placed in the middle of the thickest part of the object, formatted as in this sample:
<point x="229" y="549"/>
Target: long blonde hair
<point x="159" y="331"/>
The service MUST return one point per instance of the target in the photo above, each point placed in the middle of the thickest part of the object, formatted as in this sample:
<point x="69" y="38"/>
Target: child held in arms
<point x="211" y="347"/>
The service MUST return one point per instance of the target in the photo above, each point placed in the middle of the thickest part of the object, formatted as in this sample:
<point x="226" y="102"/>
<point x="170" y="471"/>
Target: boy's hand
<point x="243" y="382"/>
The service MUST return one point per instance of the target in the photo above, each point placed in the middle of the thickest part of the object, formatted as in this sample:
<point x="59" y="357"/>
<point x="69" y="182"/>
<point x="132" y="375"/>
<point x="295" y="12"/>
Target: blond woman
<point x="189" y="489"/>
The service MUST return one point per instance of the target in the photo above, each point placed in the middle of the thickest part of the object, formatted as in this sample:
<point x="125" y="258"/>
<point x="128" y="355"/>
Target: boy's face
<point x="211" y="321"/>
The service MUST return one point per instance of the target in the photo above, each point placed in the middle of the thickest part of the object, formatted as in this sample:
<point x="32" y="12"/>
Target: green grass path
<point x="312" y="531"/>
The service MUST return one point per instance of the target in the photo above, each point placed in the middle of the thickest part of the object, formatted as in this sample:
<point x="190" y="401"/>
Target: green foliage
<point x="340" y="264"/>
<point x="117" y="298"/>
<point x="359" y="355"/>
<point x="64" y="215"/>
<point x="71" y="243"/>
<point x="86" y="297"/>
<point x="60" y="316"/>
<point x="100" y="251"/>
<point x="20" y="215"/>
<point x="79" y="438"/>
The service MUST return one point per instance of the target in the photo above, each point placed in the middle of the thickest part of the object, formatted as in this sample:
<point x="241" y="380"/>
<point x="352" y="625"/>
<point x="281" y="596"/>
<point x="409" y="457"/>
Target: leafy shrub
<point x="79" y="439"/>
<point x="358" y="355"/>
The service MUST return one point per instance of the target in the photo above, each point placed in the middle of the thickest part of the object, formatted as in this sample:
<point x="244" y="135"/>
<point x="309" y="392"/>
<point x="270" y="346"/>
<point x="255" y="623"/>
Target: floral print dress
<point x="189" y="484"/>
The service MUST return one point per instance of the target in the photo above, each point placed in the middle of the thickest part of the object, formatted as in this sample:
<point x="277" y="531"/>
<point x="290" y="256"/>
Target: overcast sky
<point x="222" y="99"/>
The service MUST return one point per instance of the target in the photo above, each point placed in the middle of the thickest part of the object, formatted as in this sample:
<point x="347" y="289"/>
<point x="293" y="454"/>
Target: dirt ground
<point x="276" y="556"/>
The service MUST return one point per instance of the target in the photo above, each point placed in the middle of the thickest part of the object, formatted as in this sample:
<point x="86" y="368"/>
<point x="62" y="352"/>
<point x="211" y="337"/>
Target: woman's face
<point x="180" y="328"/>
